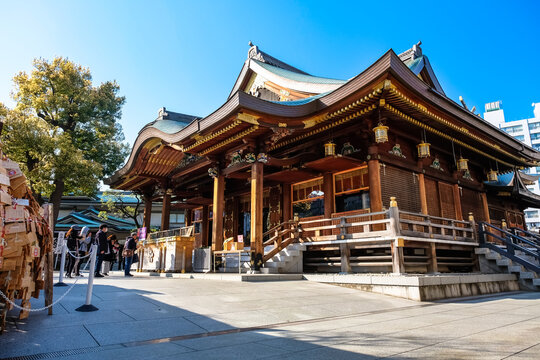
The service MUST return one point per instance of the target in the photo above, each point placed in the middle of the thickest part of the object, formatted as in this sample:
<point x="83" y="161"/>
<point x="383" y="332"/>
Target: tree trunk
<point x="56" y="198"/>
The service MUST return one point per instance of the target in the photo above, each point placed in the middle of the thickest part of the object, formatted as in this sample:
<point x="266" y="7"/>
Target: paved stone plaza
<point x="163" y="318"/>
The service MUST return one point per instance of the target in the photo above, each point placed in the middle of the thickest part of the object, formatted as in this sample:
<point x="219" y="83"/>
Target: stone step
<point x="274" y="264"/>
<point x="527" y="275"/>
<point x="267" y="270"/>
<point x="492" y="256"/>
<point x="482" y="251"/>
<point x="515" y="268"/>
<point x="504" y="262"/>
<point x="290" y="252"/>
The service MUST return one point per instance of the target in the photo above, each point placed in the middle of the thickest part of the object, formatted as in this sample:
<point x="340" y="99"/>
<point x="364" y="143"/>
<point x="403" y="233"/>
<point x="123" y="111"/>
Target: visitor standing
<point x="129" y="251"/>
<point x="102" y="243"/>
<point x="108" y="260"/>
<point x="120" y="257"/>
<point x="73" y="247"/>
<point x="85" y="239"/>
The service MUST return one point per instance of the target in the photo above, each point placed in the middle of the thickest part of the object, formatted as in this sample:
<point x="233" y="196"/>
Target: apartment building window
<point x="535" y="136"/>
<point x="513" y="129"/>
<point x="531" y="214"/>
<point x="536" y="146"/>
<point x="520" y="137"/>
<point x="535" y="125"/>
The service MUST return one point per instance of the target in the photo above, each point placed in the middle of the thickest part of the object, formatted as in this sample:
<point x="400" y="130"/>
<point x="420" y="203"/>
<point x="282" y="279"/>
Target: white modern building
<point x="527" y="131"/>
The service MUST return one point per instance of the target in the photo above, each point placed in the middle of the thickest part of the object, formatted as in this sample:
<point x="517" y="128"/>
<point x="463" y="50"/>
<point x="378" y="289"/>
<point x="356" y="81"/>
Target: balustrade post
<point x="394" y="215"/>
<point x="473" y="225"/>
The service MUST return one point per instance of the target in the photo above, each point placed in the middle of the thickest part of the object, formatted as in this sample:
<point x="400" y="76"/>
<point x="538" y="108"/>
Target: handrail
<point x="268" y="232"/>
<point x="434" y="217"/>
<point x="345" y="217"/>
<point x="511" y="246"/>
<point x="534" y="236"/>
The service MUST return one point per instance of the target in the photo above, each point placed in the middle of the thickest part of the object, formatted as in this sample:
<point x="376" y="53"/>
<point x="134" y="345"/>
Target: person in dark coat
<point x="103" y="247"/>
<point x="129" y="250"/>
<point x="72" y="243"/>
<point x="120" y="257"/>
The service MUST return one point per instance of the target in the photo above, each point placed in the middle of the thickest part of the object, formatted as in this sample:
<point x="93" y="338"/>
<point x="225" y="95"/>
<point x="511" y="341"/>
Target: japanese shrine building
<point x="289" y="146"/>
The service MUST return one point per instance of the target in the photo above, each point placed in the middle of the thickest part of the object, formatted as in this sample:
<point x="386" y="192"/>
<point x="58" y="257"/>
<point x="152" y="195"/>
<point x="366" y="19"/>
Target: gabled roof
<point x="90" y="218"/>
<point x="420" y="66"/>
<point x="170" y="122"/>
<point x="515" y="183"/>
<point x="281" y="73"/>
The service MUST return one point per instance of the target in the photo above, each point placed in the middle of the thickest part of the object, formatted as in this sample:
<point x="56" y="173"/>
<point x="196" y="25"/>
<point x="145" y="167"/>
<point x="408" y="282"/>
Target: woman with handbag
<point x="129" y="251"/>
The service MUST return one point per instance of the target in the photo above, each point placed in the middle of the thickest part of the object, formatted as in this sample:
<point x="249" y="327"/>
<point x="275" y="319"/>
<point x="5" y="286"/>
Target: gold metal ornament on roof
<point x="329" y="149"/>
<point x="492" y="175"/>
<point x="423" y="150"/>
<point x="462" y="164"/>
<point x="381" y="133"/>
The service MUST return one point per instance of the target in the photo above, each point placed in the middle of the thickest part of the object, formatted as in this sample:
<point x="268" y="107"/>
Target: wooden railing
<point x="377" y="224"/>
<point x="434" y="227"/>
<point x="388" y="225"/>
<point x="280" y="237"/>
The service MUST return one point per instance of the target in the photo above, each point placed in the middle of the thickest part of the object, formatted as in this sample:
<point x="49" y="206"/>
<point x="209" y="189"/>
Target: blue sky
<point x="187" y="55"/>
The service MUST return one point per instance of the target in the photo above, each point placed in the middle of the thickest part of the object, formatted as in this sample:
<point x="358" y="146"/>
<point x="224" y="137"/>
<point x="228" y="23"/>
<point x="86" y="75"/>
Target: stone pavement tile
<point x="324" y="353"/>
<point x="42" y="320"/>
<point x="209" y="323"/>
<point x="444" y="351"/>
<point x="136" y="303"/>
<point x="243" y="319"/>
<point x="161" y="312"/>
<point x="234" y="352"/>
<point x="212" y="342"/>
<point x="43" y="340"/>
<point x="340" y="323"/>
<point x="290" y="344"/>
<point x="115" y="333"/>
<point x="527" y="354"/>
<point x="147" y="352"/>
<point x="379" y="346"/>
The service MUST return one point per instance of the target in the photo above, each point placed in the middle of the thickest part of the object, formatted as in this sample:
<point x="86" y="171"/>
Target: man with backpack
<point x="129" y="252"/>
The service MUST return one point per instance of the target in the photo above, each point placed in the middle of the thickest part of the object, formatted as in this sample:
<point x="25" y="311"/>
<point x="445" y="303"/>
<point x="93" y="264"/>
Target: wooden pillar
<point x="166" y="212"/>
<point x="374" y="172"/>
<point x="235" y="216"/>
<point x="485" y="207"/>
<point x="205" y="225"/>
<point x="345" y="252"/>
<point x="257" y="214"/>
<point x="217" y="209"/>
<point x="431" y="251"/>
<point x="187" y="217"/>
<point x="147" y="213"/>
<point x="423" y="195"/>
<point x="286" y="202"/>
<point x="457" y="202"/>
<point x="328" y="189"/>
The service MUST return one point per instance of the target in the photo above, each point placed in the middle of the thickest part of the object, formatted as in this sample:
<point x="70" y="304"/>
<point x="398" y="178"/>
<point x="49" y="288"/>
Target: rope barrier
<point x="78" y="257"/>
<point x="45" y="307"/>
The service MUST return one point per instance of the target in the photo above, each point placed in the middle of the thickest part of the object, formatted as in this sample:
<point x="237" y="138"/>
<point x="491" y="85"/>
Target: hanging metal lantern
<point x="381" y="133"/>
<point x="462" y="164"/>
<point x="423" y="149"/>
<point x="492" y="175"/>
<point x="329" y="149"/>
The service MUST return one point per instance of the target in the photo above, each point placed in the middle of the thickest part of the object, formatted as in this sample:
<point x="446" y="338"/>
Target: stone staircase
<point x="492" y="262"/>
<point x="287" y="261"/>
